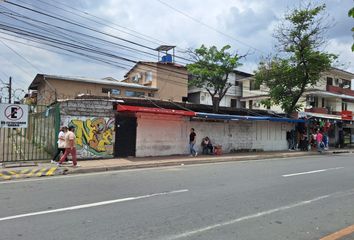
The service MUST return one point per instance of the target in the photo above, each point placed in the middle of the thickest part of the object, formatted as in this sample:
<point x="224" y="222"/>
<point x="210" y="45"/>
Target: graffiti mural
<point x="94" y="136"/>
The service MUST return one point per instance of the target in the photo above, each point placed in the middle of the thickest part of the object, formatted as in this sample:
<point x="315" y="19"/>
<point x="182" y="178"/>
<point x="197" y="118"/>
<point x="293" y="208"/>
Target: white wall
<point x="159" y="135"/>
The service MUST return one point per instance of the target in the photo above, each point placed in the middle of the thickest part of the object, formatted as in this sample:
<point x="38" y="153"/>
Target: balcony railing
<point x="339" y="90"/>
<point x="317" y="110"/>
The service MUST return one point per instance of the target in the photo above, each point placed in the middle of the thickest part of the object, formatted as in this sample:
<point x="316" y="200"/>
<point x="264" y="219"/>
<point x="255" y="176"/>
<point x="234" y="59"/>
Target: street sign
<point x="13" y="115"/>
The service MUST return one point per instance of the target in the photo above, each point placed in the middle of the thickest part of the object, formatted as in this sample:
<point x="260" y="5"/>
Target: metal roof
<point x="105" y="81"/>
<point x="246" y="118"/>
<point x="165" y="48"/>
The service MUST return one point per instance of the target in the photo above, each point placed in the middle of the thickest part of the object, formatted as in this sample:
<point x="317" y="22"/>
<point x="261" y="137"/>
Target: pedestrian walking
<point x="192" y="140"/>
<point x="61" y="144"/>
<point x="70" y="146"/>
<point x="319" y="140"/>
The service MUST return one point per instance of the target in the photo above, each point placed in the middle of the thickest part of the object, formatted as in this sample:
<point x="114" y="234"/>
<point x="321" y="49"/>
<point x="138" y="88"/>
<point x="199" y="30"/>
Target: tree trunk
<point x="216" y="102"/>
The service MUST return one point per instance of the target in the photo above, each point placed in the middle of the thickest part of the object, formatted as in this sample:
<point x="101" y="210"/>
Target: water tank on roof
<point x="167" y="58"/>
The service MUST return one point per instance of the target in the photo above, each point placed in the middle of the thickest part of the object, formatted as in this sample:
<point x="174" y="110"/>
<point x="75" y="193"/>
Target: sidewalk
<point x="8" y="172"/>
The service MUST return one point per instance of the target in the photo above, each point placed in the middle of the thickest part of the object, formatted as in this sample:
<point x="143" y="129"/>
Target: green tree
<point x="351" y="14"/>
<point x="300" y="38"/>
<point x="211" y="71"/>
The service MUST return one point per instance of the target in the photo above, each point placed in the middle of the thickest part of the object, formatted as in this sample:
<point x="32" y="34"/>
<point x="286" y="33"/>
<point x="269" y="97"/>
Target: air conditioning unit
<point x="135" y="78"/>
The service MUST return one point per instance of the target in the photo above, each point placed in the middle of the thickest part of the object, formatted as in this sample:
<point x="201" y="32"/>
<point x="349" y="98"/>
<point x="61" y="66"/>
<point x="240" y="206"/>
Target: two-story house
<point x="169" y="78"/>
<point x="330" y="100"/>
<point x="232" y="97"/>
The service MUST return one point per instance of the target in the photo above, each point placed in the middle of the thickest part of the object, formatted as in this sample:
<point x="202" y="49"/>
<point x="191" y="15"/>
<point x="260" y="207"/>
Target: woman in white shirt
<point x="61" y="143"/>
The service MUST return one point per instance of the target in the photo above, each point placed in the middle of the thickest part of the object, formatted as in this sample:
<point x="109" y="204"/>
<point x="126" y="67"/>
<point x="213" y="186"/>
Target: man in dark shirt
<point x="192" y="138"/>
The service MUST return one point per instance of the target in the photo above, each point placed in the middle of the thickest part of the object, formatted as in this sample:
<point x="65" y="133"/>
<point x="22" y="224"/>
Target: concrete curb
<point x="199" y="161"/>
<point x="31" y="172"/>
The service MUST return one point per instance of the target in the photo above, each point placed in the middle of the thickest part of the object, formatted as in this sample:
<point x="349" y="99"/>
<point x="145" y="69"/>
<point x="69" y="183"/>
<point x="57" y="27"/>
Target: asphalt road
<point x="295" y="198"/>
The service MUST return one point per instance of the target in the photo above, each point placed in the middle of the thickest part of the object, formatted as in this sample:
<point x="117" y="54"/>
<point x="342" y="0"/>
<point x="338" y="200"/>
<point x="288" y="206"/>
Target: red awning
<point x="127" y="108"/>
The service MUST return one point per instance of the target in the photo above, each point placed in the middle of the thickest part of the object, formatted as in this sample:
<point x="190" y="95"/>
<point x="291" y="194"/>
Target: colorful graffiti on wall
<point x="94" y="136"/>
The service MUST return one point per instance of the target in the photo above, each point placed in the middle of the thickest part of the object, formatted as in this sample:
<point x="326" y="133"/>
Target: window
<point x="336" y="81"/>
<point x="243" y="104"/>
<point x="315" y="102"/>
<point x="233" y="103"/>
<point x="106" y="90"/>
<point x="254" y="85"/>
<point x="323" y="102"/>
<point x="148" y="76"/>
<point x="329" y="81"/>
<point x="344" y="106"/>
<point x="150" y="94"/>
<point x="110" y="90"/>
<point x="115" y="91"/>
<point x="250" y="104"/>
<point x="134" y="94"/>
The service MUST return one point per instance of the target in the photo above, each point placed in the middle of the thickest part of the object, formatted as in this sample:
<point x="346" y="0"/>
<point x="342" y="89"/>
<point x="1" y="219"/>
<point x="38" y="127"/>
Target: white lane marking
<point x="90" y="205"/>
<point x="310" y="172"/>
<point x="245" y="218"/>
<point x="151" y="169"/>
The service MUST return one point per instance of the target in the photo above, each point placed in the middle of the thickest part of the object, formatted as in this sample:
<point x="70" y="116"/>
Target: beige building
<point x="170" y="79"/>
<point x="52" y="87"/>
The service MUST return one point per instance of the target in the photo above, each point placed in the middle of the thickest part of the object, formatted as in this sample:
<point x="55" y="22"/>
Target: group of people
<point x="206" y="144"/>
<point x="299" y="140"/>
<point x="66" y="146"/>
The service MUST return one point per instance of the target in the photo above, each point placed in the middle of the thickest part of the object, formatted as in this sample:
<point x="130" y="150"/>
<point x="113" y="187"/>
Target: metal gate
<point x="37" y="142"/>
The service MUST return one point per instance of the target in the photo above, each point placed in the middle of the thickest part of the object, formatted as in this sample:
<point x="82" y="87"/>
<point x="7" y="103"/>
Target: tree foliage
<point x="211" y="70"/>
<point x="300" y="38"/>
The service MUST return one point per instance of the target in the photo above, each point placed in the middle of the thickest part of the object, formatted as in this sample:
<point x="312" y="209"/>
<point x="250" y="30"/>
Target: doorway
<point x="125" y="144"/>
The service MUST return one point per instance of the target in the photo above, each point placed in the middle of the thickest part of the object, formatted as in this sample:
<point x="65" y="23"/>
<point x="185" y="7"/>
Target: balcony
<point x="339" y="90"/>
<point x="317" y="110"/>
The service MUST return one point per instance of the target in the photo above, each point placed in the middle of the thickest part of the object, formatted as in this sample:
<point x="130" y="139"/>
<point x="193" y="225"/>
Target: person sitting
<point x="207" y="146"/>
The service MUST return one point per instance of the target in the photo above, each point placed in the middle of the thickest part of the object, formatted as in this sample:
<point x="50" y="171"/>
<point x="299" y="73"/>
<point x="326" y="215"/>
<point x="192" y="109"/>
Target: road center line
<point x="233" y="221"/>
<point x="339" y="234"/>
<point x="90" y="205"/>
<point x="310" y="172"/>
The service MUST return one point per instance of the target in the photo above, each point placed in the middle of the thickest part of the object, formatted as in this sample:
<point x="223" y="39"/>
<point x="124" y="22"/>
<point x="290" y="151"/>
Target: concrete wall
<point x="94" y="123"/>
<point x="169" y="135"/>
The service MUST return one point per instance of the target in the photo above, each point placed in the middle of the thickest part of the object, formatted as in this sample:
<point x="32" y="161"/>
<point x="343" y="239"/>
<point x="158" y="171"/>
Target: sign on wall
<point x="13" y="115"/>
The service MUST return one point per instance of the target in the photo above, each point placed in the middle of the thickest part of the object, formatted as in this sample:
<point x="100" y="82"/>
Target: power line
<point x="208" y="26"/>
<point x="145" y="37"/>
<point x="21" y="56"/>
<point x="75" y="23"/>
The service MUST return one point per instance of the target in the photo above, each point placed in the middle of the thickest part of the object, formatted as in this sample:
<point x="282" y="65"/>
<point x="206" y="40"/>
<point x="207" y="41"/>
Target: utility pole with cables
<point x="10" y="86"/>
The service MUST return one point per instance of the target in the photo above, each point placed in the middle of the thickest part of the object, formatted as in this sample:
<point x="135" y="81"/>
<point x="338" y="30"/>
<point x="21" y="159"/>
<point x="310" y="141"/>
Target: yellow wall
<point x="171" y="81"/>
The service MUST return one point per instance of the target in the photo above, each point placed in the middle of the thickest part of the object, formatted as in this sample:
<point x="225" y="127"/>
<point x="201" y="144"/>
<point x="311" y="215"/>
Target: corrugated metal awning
<point x="247" y="118"/>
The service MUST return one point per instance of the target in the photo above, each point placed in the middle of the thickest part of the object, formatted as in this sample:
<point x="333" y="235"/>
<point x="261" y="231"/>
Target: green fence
<point x="37" y="142"/>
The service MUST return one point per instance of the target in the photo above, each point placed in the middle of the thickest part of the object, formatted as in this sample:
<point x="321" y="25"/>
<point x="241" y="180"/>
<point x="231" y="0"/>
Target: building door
<point x="125" y="143"/>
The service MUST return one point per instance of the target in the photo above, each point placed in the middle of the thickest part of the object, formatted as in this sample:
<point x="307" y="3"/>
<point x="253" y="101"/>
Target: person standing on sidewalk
<point x="319" y="140"/>
<point x="70" y="146"/>
<point x="61" y="143"/>
<point x="192" y="140"/>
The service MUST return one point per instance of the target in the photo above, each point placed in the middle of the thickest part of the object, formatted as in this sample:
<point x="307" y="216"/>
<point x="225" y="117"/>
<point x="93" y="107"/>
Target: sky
<point x="124" y="32"/>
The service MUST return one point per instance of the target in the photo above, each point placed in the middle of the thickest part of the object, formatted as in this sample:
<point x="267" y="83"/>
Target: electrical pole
<point x="10" y="83"/>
